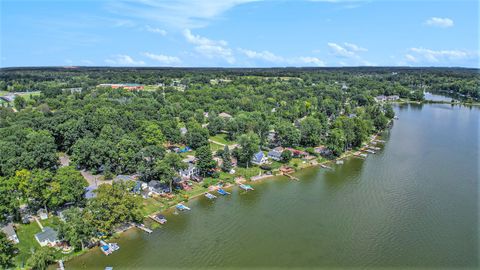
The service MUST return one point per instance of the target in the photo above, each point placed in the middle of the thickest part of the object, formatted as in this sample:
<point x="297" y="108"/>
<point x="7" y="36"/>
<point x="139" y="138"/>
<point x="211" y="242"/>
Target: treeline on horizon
<point x="462" y="83"/>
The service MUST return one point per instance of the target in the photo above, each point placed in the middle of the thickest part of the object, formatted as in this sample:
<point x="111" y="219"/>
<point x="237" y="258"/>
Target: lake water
<point x="413" y="204"/>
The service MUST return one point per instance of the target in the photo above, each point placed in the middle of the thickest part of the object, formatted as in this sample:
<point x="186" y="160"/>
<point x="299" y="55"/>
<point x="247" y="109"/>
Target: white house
<point x="259" y="158"/>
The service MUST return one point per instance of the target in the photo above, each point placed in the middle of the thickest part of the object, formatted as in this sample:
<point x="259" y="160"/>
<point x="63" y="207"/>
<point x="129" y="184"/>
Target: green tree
<point x="312" y="131"/>
<point x="151" y="134"/>
<point x="288" y="134"/>
<point x="249" y="144"/>
<point x="226" y="159"/>
<point x="67" y="186"/>
<point x="196" y="136"/>
<point x="168" y="167"/>
<point x="7" y="251"/>
<point x="78" y="227"/>
<point x="336" y="141"/>
<point x="19" y="102"/>
<point x="41" y="258"/>
<point x="205" y="162"/>
<point x="286" y="156"/>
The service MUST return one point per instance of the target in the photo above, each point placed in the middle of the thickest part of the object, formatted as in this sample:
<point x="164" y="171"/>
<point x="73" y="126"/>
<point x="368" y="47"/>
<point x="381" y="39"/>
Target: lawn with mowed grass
<point x="222" y="138"/>
<point x="28" y="244"/>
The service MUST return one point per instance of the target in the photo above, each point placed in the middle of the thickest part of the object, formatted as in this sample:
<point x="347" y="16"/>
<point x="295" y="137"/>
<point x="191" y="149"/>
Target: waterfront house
<point x="276" y="153"/>
<point x="297" y="153"/>
<point x="322" y="150"/>
<point x="191" y="172"/>
<point x="9" y="231"/>
<point x="156" y="187"/>
<point x="259" y="158"/>
<point x="48" y="237"/>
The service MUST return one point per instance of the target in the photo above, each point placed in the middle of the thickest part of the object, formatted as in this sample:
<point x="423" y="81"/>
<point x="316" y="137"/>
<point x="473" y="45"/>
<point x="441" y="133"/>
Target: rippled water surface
<point x="413" y="204"/>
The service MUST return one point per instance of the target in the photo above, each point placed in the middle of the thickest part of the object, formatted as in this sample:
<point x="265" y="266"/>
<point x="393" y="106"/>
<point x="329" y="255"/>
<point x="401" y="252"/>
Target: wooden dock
<point x="144" y="228"/>
<point x="291" y="176"/>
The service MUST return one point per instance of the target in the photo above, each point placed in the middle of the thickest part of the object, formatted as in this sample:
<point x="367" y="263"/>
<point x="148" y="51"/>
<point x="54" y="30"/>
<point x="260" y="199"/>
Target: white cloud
<point x="155" y="30"/>
<point x="124" y="60"/>
<point x="338" y="50"/>
<point x="439" y="22"/>
<point x="349" y="51"/>
<point x="164" y="59"/>
<point x="354" y="47"/>
<point x="273" y="58"/>
<point x="263" y="55"/>
<point x="411" y="58"/>
<point x="210" y="48"/>
<point x="436" y="56"/>
<point x="175" y="13"/>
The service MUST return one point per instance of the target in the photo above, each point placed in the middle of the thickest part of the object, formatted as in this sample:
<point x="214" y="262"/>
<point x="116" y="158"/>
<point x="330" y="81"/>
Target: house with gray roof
<point x="48" y="237"/>
<point x="9" y="231"/>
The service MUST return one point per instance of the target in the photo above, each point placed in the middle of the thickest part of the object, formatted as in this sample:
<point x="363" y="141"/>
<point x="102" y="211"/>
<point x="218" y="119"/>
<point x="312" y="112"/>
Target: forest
<point x="111" y="132"/>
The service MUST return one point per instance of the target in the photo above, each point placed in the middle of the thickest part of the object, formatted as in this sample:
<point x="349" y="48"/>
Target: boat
<point x="108" y="248"/>
<point x="325" y="166"/>
<point x="395" y="117"/>
<point x="108" y="268"/>
<point x="374" y="148"/>
<point x="182" y="207"/>
<point x="363" y="155"/>
<point x="339" y="162"/>
<point x="223" y="192"/>
<point x="246" y="187"/>
<point x="369" y="151"/>
<point x="159" y="218"/>
<point x="210" y="196"/>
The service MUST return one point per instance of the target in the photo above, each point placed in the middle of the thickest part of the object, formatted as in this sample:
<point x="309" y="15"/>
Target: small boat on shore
<point x="374" y="148"/>
<point x="210" y="196"/>
<point x="339" y="162"/>
<point x="369" y="151"/>
<point x="246" y="187"/>
<point x="223" y="192"/>
<point x="182" y="207"/>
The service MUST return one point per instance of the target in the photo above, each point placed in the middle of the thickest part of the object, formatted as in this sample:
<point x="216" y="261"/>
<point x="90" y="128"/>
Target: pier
<point x="144" y="228"/>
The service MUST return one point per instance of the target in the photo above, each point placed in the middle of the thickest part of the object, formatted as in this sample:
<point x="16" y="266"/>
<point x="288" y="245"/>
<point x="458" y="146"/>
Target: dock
<point x="60" y="265"/>
<point x="291" y="176"/>
<point x="325" y="166"/>
<point x="144" y="228"/>
<point x="158" y="218"/>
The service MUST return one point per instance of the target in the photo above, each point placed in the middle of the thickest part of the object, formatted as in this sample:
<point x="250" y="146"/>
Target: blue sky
<point x="239" y="33"/>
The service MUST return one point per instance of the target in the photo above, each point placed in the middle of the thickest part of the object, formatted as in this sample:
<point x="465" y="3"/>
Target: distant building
<point x="128" y="86"/>
<point x="8" y="98"/>
<point x="48" y="237"/>
<point x="259" y="158"/>
<point x="42" y="213"/>
<point x="9" y="231"/>
<point x="276" y="153"/>
<point x="383" y="98"/>
<point x="90" y="192"/>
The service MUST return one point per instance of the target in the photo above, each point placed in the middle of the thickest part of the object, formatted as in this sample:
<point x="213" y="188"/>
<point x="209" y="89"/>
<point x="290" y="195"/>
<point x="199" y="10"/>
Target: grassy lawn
<point x="26" y="235"/>
<point x="215" y="147"/>
<point x="152" y="205"/>
<point x="222" y="138"/>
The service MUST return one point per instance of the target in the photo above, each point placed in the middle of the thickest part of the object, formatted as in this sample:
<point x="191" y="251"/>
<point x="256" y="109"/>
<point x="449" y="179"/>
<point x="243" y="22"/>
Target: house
<point x="322" y="150"/>
<point x="183" y="131"/>
<point x="42" y="213"/>
<point x="297" y="153"/>
<point x="8" y="98"/>
<point x="90" y="192"/>
<point x="393" y="97"/>
<point x="155" y="187"/>
<point x="276" y="153"/>
<point x="48" y="237"/>
<point x="272" y="138"/>
<point x="190" y="172"/>
<point x="225" y="115"/>
<point x="9" y="231"/>
<point x="380" y="98"/>
<point x="259" y="158"/>
<point x="124" y="178"/>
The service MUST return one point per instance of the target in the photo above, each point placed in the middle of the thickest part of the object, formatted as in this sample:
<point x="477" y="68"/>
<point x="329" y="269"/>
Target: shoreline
<point x="230" y="186"/>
